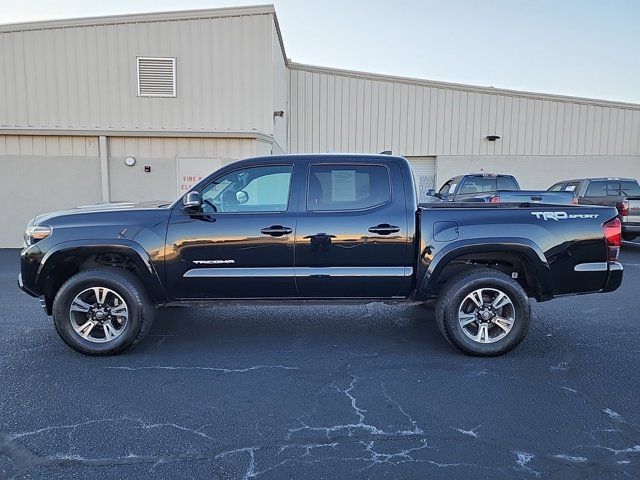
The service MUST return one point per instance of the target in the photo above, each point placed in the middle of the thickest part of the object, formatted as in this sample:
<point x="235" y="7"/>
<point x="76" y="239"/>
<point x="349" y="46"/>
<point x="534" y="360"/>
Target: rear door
<point x="352" y="237"/>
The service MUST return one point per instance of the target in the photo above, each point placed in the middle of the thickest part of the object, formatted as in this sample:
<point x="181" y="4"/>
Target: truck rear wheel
<point x="483" y="312"/>
<point x="102" y="311"/>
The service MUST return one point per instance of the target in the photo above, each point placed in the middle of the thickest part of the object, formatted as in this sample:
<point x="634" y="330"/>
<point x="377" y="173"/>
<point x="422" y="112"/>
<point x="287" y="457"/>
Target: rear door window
<point x="597" y="188"/>
<point x="347" y="187"/>
<point x="571" y="186"/>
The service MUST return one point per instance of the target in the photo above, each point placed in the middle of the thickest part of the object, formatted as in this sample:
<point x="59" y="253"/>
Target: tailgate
<point x="535" y="196"/>
<point x="633" y="211"/>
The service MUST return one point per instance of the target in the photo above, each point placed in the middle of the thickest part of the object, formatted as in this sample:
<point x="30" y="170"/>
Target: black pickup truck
<point x="314" y="227"/>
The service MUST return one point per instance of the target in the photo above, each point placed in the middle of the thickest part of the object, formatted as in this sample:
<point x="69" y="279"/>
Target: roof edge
<point x="267" y="9"/>
<point x="462" y="86"/>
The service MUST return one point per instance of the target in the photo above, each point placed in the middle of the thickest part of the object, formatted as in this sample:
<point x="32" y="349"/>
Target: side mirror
<point x="431" y="192"/>
<point x="192" y="200"/>
<point x="242" y="197"/>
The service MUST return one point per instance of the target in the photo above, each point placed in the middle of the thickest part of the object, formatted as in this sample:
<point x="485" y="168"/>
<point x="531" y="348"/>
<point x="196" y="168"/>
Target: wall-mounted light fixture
<point x="492" y="138"/>
<point x="278" y="113"/>
<point x="130" y="161"/>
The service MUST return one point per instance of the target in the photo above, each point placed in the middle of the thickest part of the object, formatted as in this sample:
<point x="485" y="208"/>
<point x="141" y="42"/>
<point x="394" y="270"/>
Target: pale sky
<point x="583" y="48"/>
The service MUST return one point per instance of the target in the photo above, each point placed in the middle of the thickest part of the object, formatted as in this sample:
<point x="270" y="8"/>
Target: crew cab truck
<point x="492" y="188"/>
<point x="314" y="228"/>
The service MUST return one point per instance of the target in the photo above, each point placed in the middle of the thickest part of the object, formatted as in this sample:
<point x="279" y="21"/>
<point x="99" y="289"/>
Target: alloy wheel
<point x="486" y="315"/>
<point x="98" y="314"/>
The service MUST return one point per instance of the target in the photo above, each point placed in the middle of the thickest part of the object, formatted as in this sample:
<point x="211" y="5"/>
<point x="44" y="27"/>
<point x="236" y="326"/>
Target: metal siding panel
<point x="315" y="113"/>
<point x="440" y="120"/>
<point x="454" y="131"/>
<point x="626" y="139"/>
<point x="582" y="129"/>
<point x="544" y="128"/>
<point x="604" y="139"/>
<point x="619" y="131"/>
<point x="374" y="136"/>
<point x="635" y="136"/>
<point x="12" y="145"/>
<point x="536" y="127"/>
<point x="417" y="142"/>
<point x="589" y="130"/>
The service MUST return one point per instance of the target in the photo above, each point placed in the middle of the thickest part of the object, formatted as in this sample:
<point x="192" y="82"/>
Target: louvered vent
<point x="156" y="77"/>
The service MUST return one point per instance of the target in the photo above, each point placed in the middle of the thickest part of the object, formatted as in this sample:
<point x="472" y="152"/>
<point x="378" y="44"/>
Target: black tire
<point x="454" y="294"/>
<point x="125" y="284"/>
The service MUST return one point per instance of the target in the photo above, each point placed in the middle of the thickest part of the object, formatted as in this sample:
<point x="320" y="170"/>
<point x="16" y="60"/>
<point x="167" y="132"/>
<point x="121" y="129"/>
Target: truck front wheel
<point x="483" y="312"/>
<point x="102" y="311"/>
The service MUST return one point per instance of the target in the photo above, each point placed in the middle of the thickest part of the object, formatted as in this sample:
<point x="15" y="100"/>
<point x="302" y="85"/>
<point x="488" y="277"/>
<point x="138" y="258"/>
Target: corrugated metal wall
<point x="55" y="146"/>
<point x="84" y="76"/>
<point x="351" y="112"/>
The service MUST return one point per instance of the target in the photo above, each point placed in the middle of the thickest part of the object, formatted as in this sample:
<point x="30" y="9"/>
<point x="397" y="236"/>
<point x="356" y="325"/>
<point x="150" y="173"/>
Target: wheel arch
<point x="65" y="259"/>
<point x="512" y="255"/>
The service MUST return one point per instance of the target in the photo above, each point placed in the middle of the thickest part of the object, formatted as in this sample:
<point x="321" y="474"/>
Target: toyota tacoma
<point x="309" y="228"/>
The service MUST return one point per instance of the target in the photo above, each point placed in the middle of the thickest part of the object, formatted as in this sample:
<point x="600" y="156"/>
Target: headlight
<point x="36" y="233"/>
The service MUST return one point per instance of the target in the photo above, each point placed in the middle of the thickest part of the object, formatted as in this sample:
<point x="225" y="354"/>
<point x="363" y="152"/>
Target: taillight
<point x="613" y="236"/>
<point x="495" y="199"/>
<point x="623" y="208"/>
<point x="574" y="201"/>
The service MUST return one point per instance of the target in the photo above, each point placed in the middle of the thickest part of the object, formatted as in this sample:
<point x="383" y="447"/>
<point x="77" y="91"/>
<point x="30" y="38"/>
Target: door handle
<point x="276" y="230"/>
<point x="384" y="229"/>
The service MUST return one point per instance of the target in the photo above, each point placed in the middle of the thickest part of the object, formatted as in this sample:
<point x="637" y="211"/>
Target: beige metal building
<point x="138" y="107"/>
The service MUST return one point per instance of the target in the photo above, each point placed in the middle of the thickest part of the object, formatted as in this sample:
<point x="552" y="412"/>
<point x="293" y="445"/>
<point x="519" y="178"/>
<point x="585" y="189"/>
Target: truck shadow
<point x="371" y="328"/>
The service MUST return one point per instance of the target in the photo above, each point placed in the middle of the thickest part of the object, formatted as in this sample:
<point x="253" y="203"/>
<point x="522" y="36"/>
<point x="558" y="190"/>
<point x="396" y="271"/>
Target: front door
<point x="240" y="243"/>
<point x="352" y="232"/>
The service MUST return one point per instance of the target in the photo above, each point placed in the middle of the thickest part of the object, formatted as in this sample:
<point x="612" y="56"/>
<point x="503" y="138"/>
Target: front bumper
<point x="614" y="277"/>
<point x="25" y="289"/>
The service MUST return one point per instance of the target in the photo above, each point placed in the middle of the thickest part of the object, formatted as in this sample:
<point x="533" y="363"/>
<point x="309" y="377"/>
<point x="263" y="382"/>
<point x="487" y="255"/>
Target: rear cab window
<point x="507" y="183"/>
<point x="473" y="185"/>
<point x="596" y="189"/>
<point x="347" y="187"/>
<point x="613" y="188"/>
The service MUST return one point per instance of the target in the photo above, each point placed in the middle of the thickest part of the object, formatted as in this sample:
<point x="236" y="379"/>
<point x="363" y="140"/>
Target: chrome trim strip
<point x="615" y="267"/>
<point x="239" y="272"/>
<point x="265" y="272"/>
<point x="591" y="267"/>
<point x="354" y="271"/>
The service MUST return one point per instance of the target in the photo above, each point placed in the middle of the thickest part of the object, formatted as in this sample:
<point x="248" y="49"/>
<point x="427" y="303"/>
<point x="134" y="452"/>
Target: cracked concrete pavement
<point x="369" y="391"/>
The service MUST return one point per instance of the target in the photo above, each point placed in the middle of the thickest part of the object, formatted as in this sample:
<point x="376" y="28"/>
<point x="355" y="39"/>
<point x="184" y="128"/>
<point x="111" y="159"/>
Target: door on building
<point x="424" y="174"/>
<point x="240" y="242"/>
<point x="352" y="232"/>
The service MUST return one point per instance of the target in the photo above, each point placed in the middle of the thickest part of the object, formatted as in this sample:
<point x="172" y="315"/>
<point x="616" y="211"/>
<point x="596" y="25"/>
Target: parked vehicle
<point x="484" y="187"/>
<point x="315" y="227"/>
<point x="616" y="192"/>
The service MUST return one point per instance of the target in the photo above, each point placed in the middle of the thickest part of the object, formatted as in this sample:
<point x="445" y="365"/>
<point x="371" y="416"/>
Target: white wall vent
<point x="156" y="76"/>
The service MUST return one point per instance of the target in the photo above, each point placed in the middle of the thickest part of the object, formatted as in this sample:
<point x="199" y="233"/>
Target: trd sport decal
<point x="562" y="215"/>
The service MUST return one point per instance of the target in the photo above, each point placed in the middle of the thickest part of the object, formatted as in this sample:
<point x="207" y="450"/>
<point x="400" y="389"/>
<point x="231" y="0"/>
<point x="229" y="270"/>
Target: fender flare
<point x="149" y="275"/>
<point x="523" y="247"/>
